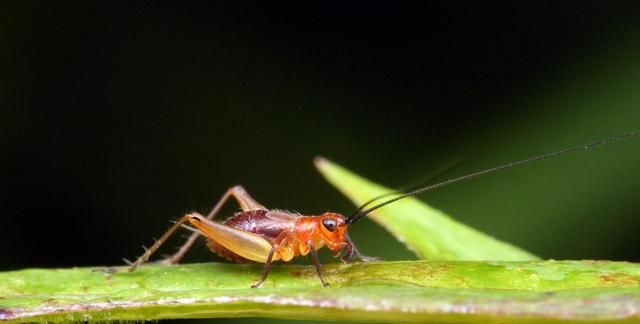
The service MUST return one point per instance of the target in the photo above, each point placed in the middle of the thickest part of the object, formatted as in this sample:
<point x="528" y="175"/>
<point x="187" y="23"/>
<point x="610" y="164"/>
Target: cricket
<point x="262" y="235"/>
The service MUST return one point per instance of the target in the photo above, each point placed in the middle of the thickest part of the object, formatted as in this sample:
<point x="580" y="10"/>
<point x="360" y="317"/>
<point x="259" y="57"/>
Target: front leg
<point x="351" y="253"/>
<point x="316" y="263"/>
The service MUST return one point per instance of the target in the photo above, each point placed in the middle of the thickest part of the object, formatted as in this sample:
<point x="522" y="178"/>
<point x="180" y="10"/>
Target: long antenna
<point x="425" y="182"/>
<point x="356" y="216"/>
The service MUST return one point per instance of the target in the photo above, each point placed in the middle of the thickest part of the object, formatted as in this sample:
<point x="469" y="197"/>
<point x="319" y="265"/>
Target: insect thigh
<point x="245" y="244"/>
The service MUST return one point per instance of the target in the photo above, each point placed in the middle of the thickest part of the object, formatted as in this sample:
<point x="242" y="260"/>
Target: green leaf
<point x="428" y="232"/>
<point x="408" y="291"/>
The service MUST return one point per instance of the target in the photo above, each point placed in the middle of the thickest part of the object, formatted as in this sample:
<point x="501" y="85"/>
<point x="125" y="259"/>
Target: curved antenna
<point x="354" y="218"/>
<point x="425" y="181"/>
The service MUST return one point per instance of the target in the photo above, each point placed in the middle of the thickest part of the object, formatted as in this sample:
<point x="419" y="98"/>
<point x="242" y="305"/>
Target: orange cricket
<point x="257" y="234"/>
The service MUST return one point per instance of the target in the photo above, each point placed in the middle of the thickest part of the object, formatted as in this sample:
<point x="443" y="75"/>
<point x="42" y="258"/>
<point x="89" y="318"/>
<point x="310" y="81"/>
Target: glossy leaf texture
<point x="401" y="291"/>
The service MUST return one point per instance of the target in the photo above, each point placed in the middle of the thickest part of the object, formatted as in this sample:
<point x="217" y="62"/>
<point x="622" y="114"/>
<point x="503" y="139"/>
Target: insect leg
<point x="316" y="263"/>
<point x="248" y="245"/>
<point x="351" y="253"/>
<point x="143" y="258"/>
<point x="246" y="203"/>
<point x="267" y="267"/>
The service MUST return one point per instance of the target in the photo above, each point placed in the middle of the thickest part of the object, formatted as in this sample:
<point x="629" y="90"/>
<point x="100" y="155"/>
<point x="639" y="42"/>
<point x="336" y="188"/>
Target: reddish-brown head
<point x="333" y="230"/>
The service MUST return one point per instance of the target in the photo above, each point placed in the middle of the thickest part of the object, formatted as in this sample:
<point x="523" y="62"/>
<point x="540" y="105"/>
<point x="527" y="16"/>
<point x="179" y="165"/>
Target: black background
<point x="117" y="119"/>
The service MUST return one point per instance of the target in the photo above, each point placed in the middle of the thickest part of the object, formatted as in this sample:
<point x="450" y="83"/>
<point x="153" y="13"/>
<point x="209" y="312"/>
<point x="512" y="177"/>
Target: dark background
<point x="117" y="119"/>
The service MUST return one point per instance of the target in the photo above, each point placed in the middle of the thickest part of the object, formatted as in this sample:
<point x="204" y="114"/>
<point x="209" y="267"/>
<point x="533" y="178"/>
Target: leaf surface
<point x="406" y="291"/>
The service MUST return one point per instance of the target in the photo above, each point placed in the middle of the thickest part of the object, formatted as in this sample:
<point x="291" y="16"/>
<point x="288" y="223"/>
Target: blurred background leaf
<point x="428" y="232"/>
<point x="117" y="119"/>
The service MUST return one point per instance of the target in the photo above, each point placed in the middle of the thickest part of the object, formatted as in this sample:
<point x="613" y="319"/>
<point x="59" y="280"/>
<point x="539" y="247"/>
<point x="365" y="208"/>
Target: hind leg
<point x="246" y="203"/>
<point x="243" y="198"/>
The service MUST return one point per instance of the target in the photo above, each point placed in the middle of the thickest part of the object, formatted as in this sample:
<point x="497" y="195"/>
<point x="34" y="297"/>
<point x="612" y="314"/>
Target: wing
<point x="245" y="244"/>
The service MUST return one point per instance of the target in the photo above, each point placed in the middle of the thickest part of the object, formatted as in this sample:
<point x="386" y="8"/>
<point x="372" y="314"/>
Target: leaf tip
<point x="321" y="163"/>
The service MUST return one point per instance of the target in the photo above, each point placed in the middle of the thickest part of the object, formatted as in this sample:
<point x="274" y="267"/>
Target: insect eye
<point x="329" y="224"/>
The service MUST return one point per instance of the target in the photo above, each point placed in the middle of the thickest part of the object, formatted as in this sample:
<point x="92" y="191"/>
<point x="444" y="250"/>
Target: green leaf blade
<point x="427" y="231"/>
<point x="409" y="291"/>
